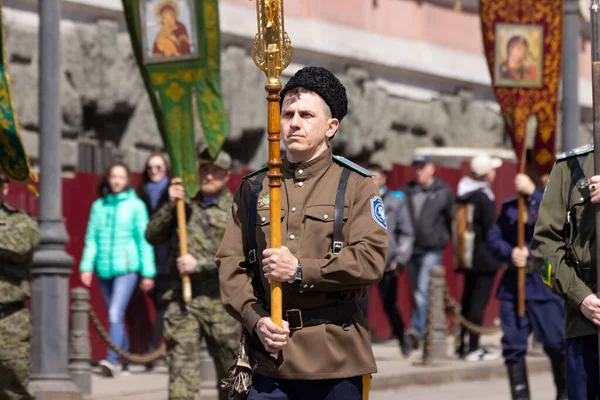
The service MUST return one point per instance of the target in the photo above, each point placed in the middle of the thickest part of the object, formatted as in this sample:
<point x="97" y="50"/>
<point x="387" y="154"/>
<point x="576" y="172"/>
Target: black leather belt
<point x="9" y="309"/>
<point x="339" y="314"/>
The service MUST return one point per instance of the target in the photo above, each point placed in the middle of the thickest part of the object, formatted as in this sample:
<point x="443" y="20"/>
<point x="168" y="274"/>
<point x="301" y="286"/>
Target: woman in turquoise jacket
<point x="116" y="250"/>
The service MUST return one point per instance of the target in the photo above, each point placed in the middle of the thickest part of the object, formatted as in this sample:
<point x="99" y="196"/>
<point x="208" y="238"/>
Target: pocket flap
<point x="323" y="213"/>
<point x="263" y="216"/>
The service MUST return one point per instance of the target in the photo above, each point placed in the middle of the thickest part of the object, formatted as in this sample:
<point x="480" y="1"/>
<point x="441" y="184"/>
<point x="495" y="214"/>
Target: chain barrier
<point x="460" y="319"/>
<point x="133" y="358"/>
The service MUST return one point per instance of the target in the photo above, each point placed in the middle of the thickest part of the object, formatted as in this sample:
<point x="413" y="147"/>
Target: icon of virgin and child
<point x="172" y="39"/>
<point x="519" y="65"/>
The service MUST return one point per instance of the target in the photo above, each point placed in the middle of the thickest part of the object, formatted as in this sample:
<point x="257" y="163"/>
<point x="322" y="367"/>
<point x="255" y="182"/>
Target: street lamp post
<point x="51" y="264"/>
<point x="570" y="80"/>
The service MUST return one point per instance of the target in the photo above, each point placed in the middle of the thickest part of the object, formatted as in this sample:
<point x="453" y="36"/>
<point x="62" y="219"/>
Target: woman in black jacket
<point x="154" y="192"/>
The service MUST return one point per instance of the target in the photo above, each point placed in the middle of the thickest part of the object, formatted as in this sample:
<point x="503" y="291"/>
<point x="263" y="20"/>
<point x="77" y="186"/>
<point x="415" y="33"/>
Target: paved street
<point x="542" y="388"/>
<point x="397" y="378"/>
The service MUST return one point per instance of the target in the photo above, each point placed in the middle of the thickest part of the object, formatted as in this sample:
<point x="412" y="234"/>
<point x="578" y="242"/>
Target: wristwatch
<point x="298" y="275"/>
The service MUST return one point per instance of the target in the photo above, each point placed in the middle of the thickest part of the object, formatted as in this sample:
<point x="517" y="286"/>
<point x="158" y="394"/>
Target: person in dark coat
<point x="401" y="239"/>
<point x="543" y="309"/>
<point x="430" y="204"/>
<point x="479" y="279"/>
<point x="154" y="192"/>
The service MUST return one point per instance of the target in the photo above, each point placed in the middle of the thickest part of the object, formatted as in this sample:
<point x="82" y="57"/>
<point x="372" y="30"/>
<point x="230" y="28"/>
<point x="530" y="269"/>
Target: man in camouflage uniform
<point x="563" y="251"/>
<point x="204" y="316"/>
<point x="18" y="238"/>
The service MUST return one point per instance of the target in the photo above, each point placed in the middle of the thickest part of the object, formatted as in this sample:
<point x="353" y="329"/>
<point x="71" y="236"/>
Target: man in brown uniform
<point x="323" y="350"/>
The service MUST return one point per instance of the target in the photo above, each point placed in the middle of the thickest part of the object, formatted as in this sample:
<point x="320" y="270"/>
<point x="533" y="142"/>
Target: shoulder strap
<point x="258" y="171"/>
<point x="347" y="164"/>
<point x="259" y="291"/>
<point x="338" y="214"/>
<point x="579" y="151"/>
<point x="576" y="166"/>
<point x="256" y="188"/>
<point x="470" y="210"/>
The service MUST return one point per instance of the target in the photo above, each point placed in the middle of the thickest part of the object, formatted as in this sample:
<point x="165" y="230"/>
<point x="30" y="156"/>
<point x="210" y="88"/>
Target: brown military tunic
<point x="308" y="194"/>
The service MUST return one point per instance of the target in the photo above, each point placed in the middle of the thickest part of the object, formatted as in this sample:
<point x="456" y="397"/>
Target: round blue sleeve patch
<point x="378" y="211"/>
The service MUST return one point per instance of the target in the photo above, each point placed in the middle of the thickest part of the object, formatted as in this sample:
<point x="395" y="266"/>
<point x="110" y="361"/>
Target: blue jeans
<point x="418" y="270"/>
<point x="117" y="292"/>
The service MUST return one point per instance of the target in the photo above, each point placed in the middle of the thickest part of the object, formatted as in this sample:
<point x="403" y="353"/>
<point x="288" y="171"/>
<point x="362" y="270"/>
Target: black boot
<point x="560" y="379"/>
<point x="517" y="377"/>
<point x="405" y="346"/>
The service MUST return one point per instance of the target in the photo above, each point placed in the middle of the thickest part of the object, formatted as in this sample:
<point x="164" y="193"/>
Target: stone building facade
<point x="403" y="93"/>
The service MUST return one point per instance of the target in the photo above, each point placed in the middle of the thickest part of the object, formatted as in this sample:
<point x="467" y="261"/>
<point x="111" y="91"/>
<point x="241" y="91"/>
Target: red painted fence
<point x="78" y="194"/>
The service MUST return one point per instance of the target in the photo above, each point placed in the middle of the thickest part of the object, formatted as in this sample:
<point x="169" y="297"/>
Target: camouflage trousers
<point x="206" y="318"/>
<point x="15" y="347"/>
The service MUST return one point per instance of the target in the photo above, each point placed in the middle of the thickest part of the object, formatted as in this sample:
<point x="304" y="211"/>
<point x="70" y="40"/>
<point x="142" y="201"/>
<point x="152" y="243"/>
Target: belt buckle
<point x="295" y="321"/>
<point x="337" y="247"/>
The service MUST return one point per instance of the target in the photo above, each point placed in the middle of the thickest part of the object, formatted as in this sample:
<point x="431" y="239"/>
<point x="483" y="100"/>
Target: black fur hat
<point x="325" y="84"/>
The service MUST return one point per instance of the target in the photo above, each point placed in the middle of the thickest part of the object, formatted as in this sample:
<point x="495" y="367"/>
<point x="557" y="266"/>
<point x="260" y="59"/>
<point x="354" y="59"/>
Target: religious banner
<point x="523" y="46"/>
<point x="177" y="47"/>
<point x="13" y="158"/>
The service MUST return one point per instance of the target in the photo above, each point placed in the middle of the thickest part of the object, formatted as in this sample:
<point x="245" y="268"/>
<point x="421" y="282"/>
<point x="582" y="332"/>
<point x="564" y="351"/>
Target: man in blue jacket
<point x="543" y="309"/>
<point x="401" y="239"/>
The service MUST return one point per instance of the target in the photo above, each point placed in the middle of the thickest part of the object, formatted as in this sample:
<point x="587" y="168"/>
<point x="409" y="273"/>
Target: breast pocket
<point x="319" y="226"/>
<point x="263" y="227"/>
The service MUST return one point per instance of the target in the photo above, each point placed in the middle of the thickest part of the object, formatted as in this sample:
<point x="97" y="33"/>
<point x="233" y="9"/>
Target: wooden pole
<point x="523" y="217"/>
<point x="274" y="176"/>
<point x="183" y="249"/>
<point x="594" y="9"/>
<point x="272" y="53"/>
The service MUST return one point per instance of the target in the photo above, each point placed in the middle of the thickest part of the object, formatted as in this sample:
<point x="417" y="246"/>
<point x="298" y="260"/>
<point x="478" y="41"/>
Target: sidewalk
<point x="393" y="371"/>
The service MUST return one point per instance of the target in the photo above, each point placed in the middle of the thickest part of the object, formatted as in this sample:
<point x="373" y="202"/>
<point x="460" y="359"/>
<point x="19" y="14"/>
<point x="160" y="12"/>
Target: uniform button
<point x="293" y="209"/>
<point x="300" y="172"/>
<point x="305" y="286"/>
<point x="312" y="286"/>
<point x="263" y="219"/>
<point x="581" y="199"/>
<point x="300" y="184"/>
<point x="325" y="216"/>
<point x="292" y="237"/>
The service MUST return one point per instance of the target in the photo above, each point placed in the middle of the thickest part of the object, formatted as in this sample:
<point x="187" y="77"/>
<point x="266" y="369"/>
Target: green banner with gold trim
<point x="13" y="158"/>
<point x="177" y="47"/>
